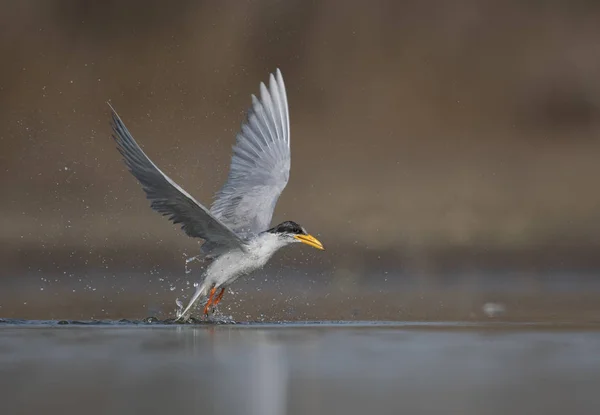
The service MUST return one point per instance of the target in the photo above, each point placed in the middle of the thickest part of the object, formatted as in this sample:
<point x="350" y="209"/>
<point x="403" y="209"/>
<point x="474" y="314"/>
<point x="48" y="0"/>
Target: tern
<point x="236" y="233"/>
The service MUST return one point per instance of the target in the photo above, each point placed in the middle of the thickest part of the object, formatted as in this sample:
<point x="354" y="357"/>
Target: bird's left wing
<point x="260" y="164"/>
<point x="167" y="197"/>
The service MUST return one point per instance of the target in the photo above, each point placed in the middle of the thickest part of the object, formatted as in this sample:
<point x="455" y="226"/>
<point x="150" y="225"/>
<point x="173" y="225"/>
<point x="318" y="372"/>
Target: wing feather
<point x="168" y="198"/>
<point x="260" y="163"/>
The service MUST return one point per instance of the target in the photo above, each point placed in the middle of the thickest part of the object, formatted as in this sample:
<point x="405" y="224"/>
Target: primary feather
<point x="260" y="164"/>
<point x="168" y="198"/>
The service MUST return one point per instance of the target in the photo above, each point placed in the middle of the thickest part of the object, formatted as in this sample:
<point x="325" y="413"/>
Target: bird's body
<point x="234" y="230"/>
<point x="226" y="268"/>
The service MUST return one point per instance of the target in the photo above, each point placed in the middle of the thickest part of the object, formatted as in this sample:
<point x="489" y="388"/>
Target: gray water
<point x="358" y="368"/>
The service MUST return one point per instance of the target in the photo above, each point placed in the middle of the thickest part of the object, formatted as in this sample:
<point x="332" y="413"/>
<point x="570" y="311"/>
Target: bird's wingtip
<point x="279" y="77"/>
<point x="115" y="114"/>
<point x="111" y="107"/>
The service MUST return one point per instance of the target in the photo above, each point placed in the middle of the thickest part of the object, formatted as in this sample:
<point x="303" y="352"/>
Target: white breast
<point x="230" y="266"/>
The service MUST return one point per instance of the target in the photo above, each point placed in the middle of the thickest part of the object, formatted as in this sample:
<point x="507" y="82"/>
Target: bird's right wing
<point x="260" y="165"/>
<point x="168" y="198"/>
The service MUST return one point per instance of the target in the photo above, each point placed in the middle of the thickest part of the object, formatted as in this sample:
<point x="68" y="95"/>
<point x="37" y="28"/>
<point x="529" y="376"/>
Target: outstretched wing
<point x="167" y="197"/>
<point x="260" y="164"/>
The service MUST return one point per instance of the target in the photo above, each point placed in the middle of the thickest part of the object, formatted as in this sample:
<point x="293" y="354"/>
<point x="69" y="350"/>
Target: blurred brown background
<point x="427" y="137"/>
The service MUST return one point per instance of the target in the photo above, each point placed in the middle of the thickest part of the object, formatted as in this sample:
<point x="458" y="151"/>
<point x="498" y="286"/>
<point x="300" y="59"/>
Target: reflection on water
<point x="268" y="370"/>
<point x="269" y="391"/>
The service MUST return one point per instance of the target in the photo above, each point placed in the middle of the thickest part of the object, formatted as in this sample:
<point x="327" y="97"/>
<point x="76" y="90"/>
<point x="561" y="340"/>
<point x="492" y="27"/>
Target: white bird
<point x="236" y="233"/>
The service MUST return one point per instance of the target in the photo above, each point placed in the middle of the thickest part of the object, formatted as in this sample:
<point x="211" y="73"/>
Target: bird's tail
<point x="200" y="294"/>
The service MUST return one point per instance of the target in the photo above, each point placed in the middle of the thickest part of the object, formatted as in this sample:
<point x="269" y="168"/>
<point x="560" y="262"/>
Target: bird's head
<point x="292" y="232"/>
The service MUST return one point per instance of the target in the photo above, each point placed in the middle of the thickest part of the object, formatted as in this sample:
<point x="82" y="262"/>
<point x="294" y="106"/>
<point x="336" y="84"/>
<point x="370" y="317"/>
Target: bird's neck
<point x="266" y="244"/>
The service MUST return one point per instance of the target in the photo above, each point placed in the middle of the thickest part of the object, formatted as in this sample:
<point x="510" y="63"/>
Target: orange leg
<point x="218" y="299"/>
<point x="210" y="300"/>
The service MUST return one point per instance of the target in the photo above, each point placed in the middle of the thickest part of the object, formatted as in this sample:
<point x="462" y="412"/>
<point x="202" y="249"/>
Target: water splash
<point x="189" y="260"/>
<point x="179" y="310"/>
<point x="219" y="318"/>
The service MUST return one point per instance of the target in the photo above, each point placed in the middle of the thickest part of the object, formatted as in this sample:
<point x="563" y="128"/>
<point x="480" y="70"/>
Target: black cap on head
<point x="288" y="227"/>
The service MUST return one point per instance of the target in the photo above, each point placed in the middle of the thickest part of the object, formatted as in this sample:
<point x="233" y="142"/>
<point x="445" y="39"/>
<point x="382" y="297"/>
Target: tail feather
<point x="201" y="293"/>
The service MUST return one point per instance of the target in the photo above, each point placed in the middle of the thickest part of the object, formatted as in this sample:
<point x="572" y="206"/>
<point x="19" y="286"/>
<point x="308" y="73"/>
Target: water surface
<point x="301" y="368"/>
